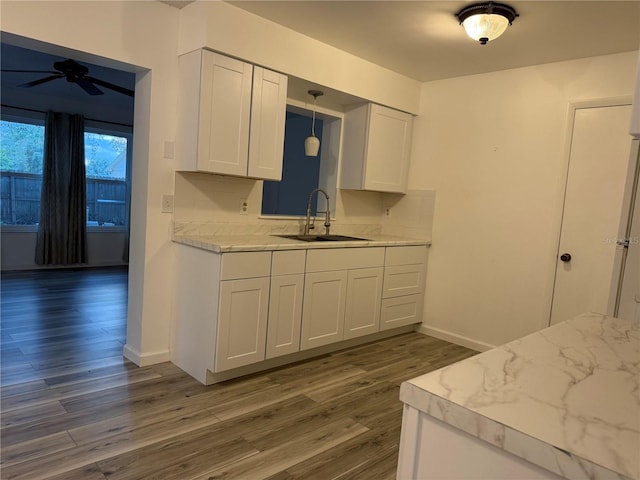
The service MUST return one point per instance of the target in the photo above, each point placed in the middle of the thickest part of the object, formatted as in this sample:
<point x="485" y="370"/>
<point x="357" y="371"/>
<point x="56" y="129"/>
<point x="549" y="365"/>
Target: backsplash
<point x="410" y="215"/>
<point x="206" y="204"/>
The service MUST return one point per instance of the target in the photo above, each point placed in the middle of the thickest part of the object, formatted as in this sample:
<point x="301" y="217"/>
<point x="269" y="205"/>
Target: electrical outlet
<point x="387" y="212"/>
<point x="244" y="208"/>
<point x="167" y="204"/>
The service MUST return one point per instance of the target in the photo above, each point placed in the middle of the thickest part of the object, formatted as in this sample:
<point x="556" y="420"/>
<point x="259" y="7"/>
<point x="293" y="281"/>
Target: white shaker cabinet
<point x="323" y="310"/>
<point x="285" y="303"/>
<point x="221" y="310"/>
<point x="376" y="149"/>
<point x="341" y="295"/>
<point x="242" y="322"/>
<point x="241" y="312"/>
<point x="231" y="116"/>
<point x="362" y="312"/>
<point x="404" y="280"/>
<point x="243" y="309"/>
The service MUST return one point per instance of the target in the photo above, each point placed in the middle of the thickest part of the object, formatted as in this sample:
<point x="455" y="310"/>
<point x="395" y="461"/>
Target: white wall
<point x="103" y="249"/>
<point x="493" y="148"/>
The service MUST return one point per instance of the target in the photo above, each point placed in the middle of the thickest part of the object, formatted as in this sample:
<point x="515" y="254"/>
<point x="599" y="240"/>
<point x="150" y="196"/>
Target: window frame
<point x="332" y="120"/>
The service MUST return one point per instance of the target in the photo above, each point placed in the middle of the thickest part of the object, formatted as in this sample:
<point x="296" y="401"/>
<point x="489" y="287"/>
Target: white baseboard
<point x="145" y="359"/>
<point x="455" y="338"/>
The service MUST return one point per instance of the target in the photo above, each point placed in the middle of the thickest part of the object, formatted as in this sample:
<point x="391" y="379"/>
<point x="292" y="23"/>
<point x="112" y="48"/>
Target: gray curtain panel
<point x="62" y="229"/>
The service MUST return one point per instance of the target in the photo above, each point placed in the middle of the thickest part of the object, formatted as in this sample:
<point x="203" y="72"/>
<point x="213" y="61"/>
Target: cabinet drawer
<point x="400" y="311"/>
<point x="245" y="265"/>
<point x="403" y="280"/>
<point x="344" y="258"/>
<point x="405" y="255"/>
<point x="288" y="262"/>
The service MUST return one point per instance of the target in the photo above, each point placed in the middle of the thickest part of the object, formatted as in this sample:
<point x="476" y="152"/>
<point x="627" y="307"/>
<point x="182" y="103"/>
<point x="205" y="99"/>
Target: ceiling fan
<point x="74" y="73"/>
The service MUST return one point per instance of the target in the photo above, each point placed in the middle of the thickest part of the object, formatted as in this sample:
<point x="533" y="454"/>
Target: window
<point x="21" y="151"/>
<point x="302" y="174"/>
<point x="106" y="166"/>
<point x="107" y="156"/>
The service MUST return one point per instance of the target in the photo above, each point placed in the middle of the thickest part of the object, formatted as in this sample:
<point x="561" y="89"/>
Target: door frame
<point x="572" y="108"/>
<point x="626" y="218"/>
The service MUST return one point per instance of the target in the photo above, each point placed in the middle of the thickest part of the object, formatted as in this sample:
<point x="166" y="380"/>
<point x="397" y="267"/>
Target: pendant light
<point x="311" y="143"/>
<point x="486" y="21"/>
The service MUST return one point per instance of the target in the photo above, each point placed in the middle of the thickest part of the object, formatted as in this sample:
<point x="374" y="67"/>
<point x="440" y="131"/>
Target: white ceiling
<point x="423" y="40"/>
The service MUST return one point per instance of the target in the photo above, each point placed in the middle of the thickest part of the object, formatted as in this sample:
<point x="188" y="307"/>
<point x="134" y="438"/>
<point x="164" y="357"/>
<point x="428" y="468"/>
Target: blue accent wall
<point x="299" y="172"/>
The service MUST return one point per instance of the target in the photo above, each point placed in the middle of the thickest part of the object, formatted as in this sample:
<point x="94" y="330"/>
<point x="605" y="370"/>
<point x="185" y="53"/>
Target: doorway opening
<point x="109" y="119"/>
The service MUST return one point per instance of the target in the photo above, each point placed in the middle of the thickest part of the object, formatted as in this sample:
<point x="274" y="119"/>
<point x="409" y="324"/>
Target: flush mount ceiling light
<point x="311" y="143"/>
<point x="486" y="21"/>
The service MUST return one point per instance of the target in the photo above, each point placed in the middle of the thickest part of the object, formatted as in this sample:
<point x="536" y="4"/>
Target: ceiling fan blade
<point x="40" y="81"/>
<point x="111" y="86"/>
<point x="88" y="87"/>
<point x="28" y="71"/>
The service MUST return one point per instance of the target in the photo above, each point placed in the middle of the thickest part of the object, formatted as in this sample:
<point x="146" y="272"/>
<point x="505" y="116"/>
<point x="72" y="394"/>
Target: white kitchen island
<point x="563" y="402"/>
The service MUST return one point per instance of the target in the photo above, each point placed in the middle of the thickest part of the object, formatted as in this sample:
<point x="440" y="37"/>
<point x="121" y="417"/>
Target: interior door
<point x="588" y="256"/>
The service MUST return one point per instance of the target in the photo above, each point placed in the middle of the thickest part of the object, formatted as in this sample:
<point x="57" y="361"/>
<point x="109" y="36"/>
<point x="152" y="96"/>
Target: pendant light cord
<point x="313" y="118"/>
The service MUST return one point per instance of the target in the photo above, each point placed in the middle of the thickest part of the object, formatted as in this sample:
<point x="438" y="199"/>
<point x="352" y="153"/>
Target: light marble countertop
<point x="253" y="242"/>
<point x="566" y="398"/>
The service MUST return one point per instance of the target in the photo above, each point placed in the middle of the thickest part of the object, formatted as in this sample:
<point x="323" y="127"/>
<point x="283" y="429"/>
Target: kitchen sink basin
<point x="321" y="238"/>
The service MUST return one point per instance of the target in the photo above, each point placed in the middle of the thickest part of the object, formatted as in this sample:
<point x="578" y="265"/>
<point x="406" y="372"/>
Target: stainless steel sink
<point x="321" y="238"/>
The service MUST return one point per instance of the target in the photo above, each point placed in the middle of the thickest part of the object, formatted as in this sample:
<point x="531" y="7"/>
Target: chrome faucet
<point x="327" y="218"/>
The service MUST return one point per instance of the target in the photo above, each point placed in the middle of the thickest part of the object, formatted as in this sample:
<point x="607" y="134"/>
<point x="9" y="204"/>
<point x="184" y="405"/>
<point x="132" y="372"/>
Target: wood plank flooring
<point x="73" y="408"/>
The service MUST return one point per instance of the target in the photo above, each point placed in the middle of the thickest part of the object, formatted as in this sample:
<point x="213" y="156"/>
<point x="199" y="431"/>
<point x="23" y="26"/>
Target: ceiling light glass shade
<point x="489" y="27"/>
<point x="486" y="21"/>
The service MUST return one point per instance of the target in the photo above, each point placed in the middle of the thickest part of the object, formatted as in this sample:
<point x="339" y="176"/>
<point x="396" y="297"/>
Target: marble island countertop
<point x="222" y="243"/>
<point x="566" y="398"/>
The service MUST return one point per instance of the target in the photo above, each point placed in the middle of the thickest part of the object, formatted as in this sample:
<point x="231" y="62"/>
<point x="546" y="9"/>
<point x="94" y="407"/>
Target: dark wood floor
<point x="73" y="408"/>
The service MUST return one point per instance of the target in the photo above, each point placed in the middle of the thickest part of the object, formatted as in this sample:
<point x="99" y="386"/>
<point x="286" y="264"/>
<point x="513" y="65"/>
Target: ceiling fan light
<point x="486" y="21"/>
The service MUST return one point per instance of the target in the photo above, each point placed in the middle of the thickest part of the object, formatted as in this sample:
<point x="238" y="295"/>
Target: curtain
<point x="62" y="229"/>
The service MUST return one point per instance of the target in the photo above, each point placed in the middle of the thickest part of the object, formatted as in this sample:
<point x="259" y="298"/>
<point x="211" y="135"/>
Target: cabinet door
<point x="268" y="110"/>
<point x="364" y="292"/>
<point x="242" y="322"/>
<point x="323" y="309"/>
<point x="388" y="149"/>
<point x="285" y="315"/>
<point x="225" y="107"/>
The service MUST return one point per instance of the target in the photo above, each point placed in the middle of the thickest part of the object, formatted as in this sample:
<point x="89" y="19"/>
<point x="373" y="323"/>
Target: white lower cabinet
<point x="285" y="302"/>
<point x="402" y="293"/>
<point x="362" y="313"/>
<point x="400" y="311"/>
<point x="323" y="309"/>
<point x="242" y="322"/>
<point x="240" y="309"/>
<point x="345" y="303"/>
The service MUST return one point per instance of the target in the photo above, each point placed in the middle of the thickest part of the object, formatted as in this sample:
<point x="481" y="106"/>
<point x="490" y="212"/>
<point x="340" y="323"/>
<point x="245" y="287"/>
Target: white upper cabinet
<point x="376" y="149"/>
<point x="268" y="115"/>
<point x="231" y="116"/>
